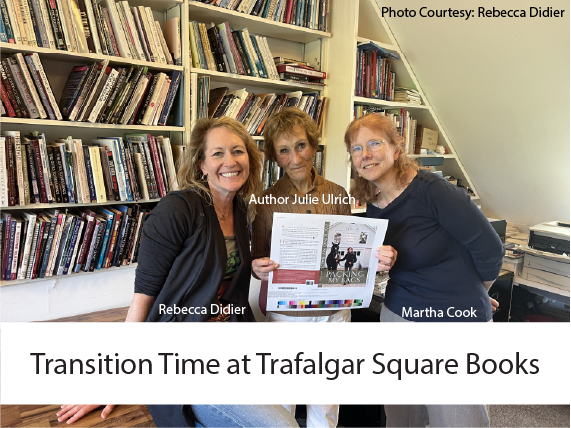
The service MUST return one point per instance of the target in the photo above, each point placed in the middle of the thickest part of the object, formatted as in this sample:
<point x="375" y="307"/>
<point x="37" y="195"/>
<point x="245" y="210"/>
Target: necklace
<point x="223" y="216"/>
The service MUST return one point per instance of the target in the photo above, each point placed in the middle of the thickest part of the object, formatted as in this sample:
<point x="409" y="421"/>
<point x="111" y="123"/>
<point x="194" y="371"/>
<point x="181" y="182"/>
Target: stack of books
<point x="303" y="13"/>
<point x="123" y="95"/>
<point x="253" y="110"/>
<point x="32" y="171"/>
<point x="25" y="89"/>
<point x="86" y="26"/>
<point x="295" y="71"/>
<point x="219" y="48"/>
<point x="407" y="95"/>
<point x="374" y="78"/>
<point x="55" y="242"/>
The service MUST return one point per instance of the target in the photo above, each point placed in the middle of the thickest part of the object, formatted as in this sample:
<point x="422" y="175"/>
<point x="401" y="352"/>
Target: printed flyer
<point x="326" y="261"/>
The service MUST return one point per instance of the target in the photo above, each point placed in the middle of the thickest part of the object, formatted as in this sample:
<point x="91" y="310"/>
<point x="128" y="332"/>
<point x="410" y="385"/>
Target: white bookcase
<point x="75" y="293"/>
<point x="360" y="21"/>
<point x="60" y="296"/>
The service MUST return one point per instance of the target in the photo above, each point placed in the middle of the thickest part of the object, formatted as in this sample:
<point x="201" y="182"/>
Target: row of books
<point x="32" y="171"/>
<point x="25" y="89"/>
<point x="253" y="110"/>
<point x="303" y="13"/>
<point x="53" y="242"/>
<point x="374" y="78"/>
<point x="125" y="95"/>
<point x="219" y="48"/>
<point x="85" y="26"/>
<point x="272" y="172"/>
<point x="93" y="93"/>
<point x="405" y="124"/>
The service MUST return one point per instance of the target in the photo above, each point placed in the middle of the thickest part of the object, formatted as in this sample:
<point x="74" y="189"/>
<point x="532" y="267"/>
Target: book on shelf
<point x="130" y="168"/>
<point x="310" y="14"/>
<point x="220" y="48"/>
<point x="55" y="242"/>
<point x="253" y="110"/>
<point x="374" y="78"/>
<point x="85" y="26"/>
<point x="98" y="93"/>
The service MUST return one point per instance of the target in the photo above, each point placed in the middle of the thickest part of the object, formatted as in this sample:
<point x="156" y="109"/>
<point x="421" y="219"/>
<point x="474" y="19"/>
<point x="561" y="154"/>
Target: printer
<point x="547" y="258"/>
<point x="551" y="237"/>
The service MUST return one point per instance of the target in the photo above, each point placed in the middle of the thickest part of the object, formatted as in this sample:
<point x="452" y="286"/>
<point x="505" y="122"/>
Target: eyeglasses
<point x="373" y="146"/>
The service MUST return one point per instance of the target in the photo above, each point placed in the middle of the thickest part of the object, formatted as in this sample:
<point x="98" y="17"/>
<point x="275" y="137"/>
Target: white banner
<point x="272" y="363"/>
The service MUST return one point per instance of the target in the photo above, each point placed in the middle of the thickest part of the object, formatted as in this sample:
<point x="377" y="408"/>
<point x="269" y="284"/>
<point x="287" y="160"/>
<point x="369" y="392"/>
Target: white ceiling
<point x="500" y="87"/>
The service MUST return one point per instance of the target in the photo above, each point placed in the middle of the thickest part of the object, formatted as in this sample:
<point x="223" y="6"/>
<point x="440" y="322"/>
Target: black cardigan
<point x="182" y="258"/>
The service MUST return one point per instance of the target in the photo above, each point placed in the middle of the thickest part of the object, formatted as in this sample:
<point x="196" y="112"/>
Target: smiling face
<point x="375" y="165"/>
<point x="226" y="161"/>
<point x="295" y="155"/>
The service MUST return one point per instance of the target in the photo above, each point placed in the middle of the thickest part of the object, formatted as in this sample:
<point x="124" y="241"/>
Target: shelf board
<point x="68" y="205"/>
<point x="389" y="104"/>
<point x="74" y="274"/>
<point x="159" y="5"/>
<point x="239" y="79"/>
<point x="448" y="156"/>
<point x="383" y="45"/>
<point x="66" y="124"/>
<point x="83" y="58"/>
<point x="206" y="13"/>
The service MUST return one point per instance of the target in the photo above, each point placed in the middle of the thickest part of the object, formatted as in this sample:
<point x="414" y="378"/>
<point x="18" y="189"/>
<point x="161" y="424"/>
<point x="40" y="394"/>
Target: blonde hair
<point x="190" y="174"/>
<point x="284" y="122"/>
<point x="366" y="191"/>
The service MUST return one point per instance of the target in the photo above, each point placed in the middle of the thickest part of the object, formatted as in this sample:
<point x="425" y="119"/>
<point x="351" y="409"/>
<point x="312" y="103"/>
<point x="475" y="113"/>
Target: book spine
<point x="72" y="245"/>
<point x="19" y="170"/>
<point x="25" y="175"/>
<point x="44" y="16"/>
<point x="155" y="36"/>
<point x="115" y="229"/>
<point x="130" y="21"/>
<point x="37" y="25"/>
<point x="54" y="175"/>
<point x="131" y="169"/>
<point x="40" y="174"/>
<point x="33" y="249"/>
<point x="151" y="169"/>
<point x="16" y="251"/>
<point x="6" y="23"/>
<point x="10" y="170"/>
<point x="41" y="88"/>
<point x="69" y="257"/>
<point x="60" y="174"/>
<point x="55" y="244"/>
<point x="105" y="243"/>
<point x="126" y="30"/>
<point x="99" y="21"/>
<point x="113" y="175"/>
<point x="22" y="88"/>
<point x="175" y="81"/>
<point x="92" y="244"/>
<point x="106" y="175"/>
<point x="118" y="31"/>
<point x="82" y="253"/>
<point x="48" y="246"/>
<point x="19" y="58"/>
<point x="13" y="17"/>
<point x="6" y="101"/>
<point x="12" y="92"/>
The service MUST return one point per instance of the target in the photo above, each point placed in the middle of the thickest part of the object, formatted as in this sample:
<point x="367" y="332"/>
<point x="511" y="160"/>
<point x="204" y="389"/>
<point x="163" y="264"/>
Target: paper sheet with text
<point x="326" y="261"/>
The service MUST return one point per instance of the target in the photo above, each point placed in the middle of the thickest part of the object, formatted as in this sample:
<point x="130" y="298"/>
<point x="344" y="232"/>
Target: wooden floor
<point x="45" y="416"/>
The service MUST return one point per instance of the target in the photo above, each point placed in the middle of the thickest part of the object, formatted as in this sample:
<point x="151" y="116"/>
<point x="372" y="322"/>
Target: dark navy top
<point x="446" y="249"/>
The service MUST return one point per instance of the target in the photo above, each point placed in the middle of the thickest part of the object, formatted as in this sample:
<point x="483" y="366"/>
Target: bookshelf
<point x="360" y="21"/>
<point x="55" y="296"/>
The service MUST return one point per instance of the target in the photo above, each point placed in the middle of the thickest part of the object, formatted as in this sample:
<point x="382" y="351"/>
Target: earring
<point x="204" y="177"/>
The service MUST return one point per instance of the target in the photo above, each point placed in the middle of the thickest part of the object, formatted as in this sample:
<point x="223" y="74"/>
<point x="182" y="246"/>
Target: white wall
<point x="65" y="296"/>
<point x="500" y="87"/>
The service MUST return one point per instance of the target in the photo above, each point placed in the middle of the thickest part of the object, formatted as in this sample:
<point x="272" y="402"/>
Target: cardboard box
<point x="429" y="139"/>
